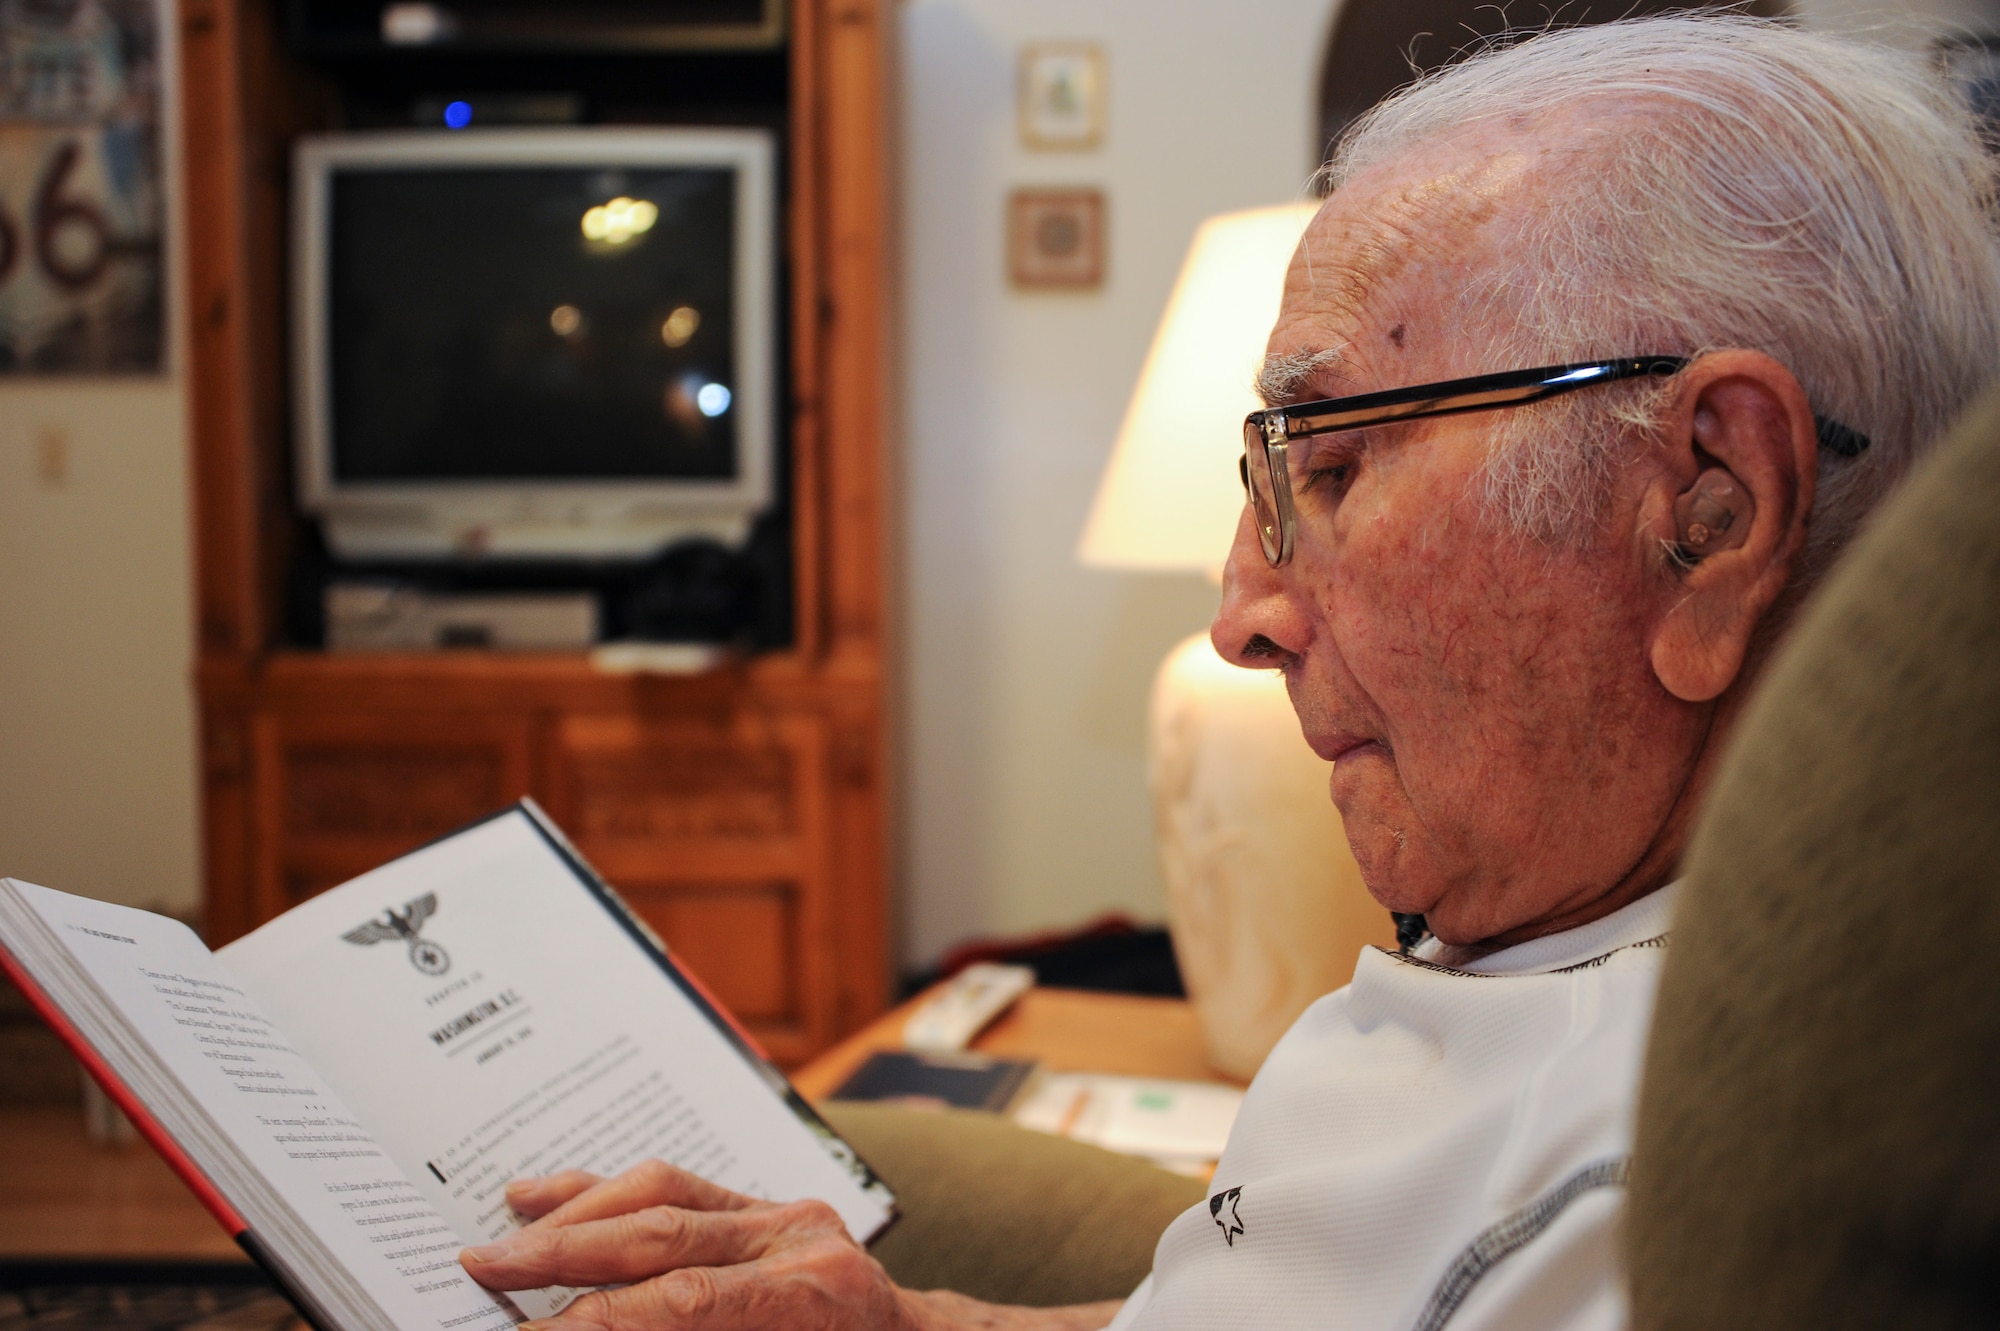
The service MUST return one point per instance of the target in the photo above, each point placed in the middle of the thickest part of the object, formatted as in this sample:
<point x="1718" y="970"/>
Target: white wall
<point x="97" y="767"/>
<point x="1026" y="674"/>
<point x="97" y="718"/>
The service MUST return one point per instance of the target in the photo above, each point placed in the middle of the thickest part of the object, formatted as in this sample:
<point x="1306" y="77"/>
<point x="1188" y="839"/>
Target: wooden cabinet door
<point x="713" y="829"/>
<point x="339" y="793"/>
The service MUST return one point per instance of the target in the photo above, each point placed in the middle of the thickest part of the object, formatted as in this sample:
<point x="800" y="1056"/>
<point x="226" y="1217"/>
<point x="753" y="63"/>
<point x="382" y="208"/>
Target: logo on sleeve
<point x="1222" y="1207"/>
<point x="404" y="926"/>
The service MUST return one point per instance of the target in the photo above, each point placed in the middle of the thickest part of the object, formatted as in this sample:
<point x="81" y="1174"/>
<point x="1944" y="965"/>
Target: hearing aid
<point x="1712" y="516"/>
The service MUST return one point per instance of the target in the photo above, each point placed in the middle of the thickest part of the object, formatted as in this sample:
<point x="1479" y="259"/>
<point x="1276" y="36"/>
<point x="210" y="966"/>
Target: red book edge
<point x="100" y="1072"/>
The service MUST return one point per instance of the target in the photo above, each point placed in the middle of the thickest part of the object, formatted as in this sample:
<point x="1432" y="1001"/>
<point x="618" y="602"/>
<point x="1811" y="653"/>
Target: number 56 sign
<point x="80" y="189"/>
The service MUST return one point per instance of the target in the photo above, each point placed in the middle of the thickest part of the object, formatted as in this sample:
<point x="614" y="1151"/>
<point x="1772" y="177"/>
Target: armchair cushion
<point x="1000" y="1213"/>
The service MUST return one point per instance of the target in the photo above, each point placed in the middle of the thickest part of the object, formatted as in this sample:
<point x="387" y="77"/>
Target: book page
<point x="490" y="1017"/>
<point x="274" y="1109"/>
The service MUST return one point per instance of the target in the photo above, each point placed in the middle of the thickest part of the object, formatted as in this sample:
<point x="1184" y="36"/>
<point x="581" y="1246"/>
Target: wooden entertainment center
<point x="743" y="810"/>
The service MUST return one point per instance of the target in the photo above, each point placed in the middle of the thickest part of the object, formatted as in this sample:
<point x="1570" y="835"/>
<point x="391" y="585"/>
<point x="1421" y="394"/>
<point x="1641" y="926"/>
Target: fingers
<point x="821" y="1279"/>
<point x="649" y="1183"/>
<point x="536" y="1197"/>
<point x="697" y="1300"/>
<point x="621" y="1248"/>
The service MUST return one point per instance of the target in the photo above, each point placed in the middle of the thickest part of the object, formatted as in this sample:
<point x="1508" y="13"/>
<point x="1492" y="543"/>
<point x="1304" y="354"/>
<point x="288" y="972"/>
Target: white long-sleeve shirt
<point x="1431" y="1147"/>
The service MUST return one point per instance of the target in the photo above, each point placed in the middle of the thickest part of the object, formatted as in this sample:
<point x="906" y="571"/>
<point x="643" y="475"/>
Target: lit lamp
<point x="1263" y="896"/>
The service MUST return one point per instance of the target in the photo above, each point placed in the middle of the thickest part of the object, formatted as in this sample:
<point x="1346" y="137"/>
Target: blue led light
<point x="458" y="115"/>
<point x="712" y="399"/>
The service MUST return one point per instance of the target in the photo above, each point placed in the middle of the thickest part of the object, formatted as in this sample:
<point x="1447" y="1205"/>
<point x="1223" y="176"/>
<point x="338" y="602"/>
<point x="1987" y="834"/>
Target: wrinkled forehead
<point x="1397" y="246"/>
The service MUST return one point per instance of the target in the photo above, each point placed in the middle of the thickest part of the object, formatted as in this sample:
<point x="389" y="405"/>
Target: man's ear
<point x="1728" y="513"/>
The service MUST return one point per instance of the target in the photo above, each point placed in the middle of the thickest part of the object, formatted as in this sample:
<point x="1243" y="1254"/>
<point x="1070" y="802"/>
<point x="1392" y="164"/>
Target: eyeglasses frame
<point x="1275" y="428"/>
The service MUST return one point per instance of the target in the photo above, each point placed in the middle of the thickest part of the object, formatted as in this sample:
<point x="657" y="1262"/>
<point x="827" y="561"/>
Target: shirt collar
<point x="1641" y="921"/>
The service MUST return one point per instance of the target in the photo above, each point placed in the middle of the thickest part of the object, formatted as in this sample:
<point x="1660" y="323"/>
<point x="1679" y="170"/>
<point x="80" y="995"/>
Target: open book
<point x="350" y="1088"/>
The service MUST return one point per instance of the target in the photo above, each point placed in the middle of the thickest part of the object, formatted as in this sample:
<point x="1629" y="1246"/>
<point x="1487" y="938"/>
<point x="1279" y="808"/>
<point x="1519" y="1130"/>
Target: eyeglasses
<point x="1267" y="435"/>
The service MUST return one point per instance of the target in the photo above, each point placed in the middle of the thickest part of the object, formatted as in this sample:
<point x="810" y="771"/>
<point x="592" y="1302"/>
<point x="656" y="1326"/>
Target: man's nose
<point x="1257" y="626"/>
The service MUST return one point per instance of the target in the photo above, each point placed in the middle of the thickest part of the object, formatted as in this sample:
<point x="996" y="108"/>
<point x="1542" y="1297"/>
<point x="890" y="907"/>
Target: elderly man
<point x="1601" y="348"/>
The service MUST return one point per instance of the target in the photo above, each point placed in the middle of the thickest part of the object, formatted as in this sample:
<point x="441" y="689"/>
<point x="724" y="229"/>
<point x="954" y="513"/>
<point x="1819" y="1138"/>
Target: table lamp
<point x="1264" y="899"/>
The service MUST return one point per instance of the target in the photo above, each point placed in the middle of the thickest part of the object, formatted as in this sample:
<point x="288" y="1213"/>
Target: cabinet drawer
<point x="345" y="788"/>
<point x="747" y="779"/>
<point x="339" y="794"/>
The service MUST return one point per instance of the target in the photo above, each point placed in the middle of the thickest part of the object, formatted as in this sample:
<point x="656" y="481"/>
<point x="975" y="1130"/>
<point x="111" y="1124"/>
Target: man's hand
<point x="699" y="1257"/>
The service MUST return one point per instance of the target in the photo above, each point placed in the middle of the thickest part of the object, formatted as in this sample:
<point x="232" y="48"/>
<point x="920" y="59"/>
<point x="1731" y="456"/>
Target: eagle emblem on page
<point x="406" y="925"/>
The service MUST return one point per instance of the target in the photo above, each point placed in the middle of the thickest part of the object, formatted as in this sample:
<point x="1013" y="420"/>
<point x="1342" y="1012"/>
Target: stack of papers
<point x="1179" y="1125"/>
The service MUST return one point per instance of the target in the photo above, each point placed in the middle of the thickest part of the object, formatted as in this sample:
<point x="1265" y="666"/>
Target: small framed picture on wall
<point x="1056" y="239"/>
<point x="1062" y="96"/>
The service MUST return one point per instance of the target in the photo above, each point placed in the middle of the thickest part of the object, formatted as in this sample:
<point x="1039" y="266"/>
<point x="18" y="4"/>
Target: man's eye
<point x="1330" y="479"/>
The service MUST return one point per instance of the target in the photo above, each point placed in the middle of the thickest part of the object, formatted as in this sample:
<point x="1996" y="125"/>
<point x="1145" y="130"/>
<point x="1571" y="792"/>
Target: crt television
<point x="534" y="343"/>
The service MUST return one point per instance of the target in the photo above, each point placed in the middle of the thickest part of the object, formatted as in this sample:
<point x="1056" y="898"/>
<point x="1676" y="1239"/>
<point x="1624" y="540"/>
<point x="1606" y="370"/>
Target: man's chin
<point x="1398" y="873"/>
<point x="1373" y="811"/>
<point x="1386" y="872"/>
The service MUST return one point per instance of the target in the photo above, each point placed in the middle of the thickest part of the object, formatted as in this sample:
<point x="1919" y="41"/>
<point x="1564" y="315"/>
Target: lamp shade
<point x="1169" y="500"/>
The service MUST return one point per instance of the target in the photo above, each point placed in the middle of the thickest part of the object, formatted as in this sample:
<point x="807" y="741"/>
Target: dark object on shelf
<point x="960" y="1081"/>
<point x="696" y="592"/>
<point x="141" y="1296"/>
<point x="1111" y="954"/>
<point x="326" y="27"/>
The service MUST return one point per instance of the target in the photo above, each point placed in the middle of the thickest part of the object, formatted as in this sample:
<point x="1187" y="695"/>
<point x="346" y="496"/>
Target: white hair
<point x="1722" y="181"/>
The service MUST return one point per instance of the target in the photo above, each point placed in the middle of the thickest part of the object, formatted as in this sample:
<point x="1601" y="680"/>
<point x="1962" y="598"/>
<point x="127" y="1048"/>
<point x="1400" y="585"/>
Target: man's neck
<point x="1656" y="866"/>
<point x="1458" y="956"/>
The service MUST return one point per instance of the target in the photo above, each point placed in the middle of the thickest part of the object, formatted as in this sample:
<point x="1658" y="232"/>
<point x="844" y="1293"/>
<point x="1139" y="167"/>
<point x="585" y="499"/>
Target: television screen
<point x="531" y="323"/>
<point x="535" y="343"/>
